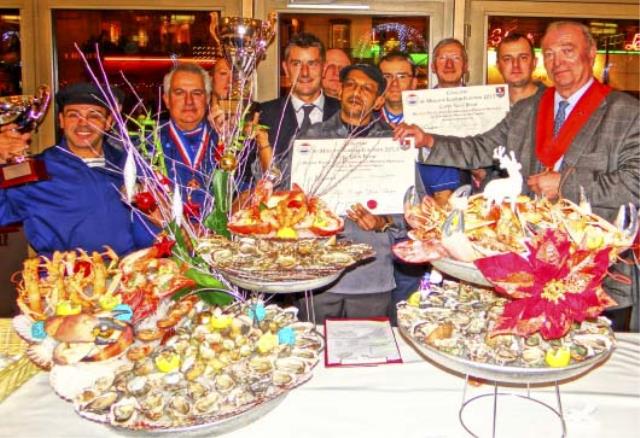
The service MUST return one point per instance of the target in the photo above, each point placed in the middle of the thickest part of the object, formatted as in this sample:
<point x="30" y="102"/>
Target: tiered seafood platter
<point x="213" y="365"/>
<point x="78" y="308"/>
<point x="127" y="354"/>
<point x="472" y="228"/>
<point x="280" y="266"/>
<point x="451" y="325"/>
<point x="286" y="215"/>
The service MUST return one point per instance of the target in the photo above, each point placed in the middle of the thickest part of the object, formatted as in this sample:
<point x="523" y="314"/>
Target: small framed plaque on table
<point x="353" y="342"/>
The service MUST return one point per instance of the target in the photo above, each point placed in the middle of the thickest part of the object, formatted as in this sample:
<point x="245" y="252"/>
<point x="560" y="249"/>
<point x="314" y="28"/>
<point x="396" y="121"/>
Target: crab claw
<point x="462" y="191"/>
<point x="411" y="198"/>
<point x="274" y="175"/>
<point x="459" y="199"/>
<point x="454" y="224"/>
<point x="632" y="227"/>
<point x="584" y="205"/>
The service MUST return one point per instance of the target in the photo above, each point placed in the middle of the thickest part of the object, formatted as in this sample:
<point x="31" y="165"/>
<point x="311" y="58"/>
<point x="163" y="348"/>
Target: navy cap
<point x="372" y="71"/>
<point x="85" y="93"/>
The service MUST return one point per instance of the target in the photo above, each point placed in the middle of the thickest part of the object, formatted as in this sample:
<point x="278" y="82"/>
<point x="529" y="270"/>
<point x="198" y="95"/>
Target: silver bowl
<point x="506" y="374"/>
<point x="465" y="271"/>
<point x="281" y="286"/>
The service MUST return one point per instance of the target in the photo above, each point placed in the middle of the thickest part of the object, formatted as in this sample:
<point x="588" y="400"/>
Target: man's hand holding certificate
<point x="374" y="172"/>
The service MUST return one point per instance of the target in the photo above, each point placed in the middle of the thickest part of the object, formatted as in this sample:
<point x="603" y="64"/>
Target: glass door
<point x="364" y="38"/>
<point x="137" y="48"/>
<point x="618" y="57"/>
<point x="614" y="25"/>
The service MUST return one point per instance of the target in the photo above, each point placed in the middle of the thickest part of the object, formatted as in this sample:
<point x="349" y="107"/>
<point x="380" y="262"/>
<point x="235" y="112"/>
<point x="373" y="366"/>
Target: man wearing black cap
<point x="366" y="291"/>
<point x="79" y="205"/>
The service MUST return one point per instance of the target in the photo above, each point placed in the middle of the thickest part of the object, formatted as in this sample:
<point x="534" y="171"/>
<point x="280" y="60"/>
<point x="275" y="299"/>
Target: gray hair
<point x="446" y="42"/>
<point x="591" y="42"/>
<point x="189" y="68"/>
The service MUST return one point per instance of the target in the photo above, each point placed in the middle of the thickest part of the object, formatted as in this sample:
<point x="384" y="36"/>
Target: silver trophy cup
<point x="27" y="112"/>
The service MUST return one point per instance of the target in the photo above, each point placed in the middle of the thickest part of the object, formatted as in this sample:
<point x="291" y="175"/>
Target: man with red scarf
<point x="579" y="133"/>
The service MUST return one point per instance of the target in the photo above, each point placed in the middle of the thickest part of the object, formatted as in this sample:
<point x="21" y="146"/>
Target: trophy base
<point x="28" y="171"/>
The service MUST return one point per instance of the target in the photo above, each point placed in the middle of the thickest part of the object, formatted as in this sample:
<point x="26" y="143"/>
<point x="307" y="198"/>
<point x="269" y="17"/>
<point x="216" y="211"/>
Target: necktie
<point x="560" y="116"/>
<point x="306" y="120"/>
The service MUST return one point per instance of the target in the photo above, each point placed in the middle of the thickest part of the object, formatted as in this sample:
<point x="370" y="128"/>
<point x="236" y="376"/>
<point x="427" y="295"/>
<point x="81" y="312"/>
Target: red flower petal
<point x="510" y="273"/>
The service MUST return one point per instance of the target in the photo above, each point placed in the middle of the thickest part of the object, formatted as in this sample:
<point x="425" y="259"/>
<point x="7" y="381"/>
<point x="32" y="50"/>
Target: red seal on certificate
<point x="372" y="204"/>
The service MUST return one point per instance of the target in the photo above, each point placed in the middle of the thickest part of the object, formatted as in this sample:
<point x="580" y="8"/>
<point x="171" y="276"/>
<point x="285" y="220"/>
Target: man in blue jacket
<point x="79" y="205"/>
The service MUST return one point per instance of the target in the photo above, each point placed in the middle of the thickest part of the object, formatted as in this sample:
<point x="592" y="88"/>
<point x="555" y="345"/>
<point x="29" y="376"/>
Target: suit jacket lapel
<point x="578" y="146"/>
<point x="328" y="109"/>
<point x="291" y="122"/>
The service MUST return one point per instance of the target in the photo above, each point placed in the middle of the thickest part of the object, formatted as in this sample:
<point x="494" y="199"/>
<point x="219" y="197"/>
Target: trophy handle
<point x="41" y="104"/>
<point x="269" y="27"/>
<point x="213" y="28"/>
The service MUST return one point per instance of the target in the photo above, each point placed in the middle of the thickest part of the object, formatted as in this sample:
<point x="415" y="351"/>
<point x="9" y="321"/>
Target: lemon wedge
<point x="559" y="358"/>
<point x="287" y="233"/>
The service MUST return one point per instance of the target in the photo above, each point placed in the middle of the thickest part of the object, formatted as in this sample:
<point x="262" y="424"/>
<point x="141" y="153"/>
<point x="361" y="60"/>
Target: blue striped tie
<point x="560" y="116"/>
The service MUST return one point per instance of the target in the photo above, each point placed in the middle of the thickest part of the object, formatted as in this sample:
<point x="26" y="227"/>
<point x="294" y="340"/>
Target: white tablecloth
<point x="413" y="399"/>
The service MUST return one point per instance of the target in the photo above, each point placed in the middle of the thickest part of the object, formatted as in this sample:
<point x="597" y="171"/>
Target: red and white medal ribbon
<point x="176" y="136"/>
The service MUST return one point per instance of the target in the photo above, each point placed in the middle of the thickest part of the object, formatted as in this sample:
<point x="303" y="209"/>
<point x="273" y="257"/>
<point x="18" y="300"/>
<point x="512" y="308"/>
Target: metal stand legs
<point x="496" y="395"/>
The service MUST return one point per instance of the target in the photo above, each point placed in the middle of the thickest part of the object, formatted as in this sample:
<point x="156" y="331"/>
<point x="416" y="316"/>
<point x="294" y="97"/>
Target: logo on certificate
<point x="304" y="148"/>
<point x="500" y="91"/>
<point x="412" y="99"/>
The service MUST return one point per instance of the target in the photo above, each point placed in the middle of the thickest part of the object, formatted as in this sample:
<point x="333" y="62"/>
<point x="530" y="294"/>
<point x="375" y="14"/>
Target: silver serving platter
<point x="506" y="374"/>
<point x="281" y="286"/>
<point x="464" y="271"/>
<point x="217" y="428"/>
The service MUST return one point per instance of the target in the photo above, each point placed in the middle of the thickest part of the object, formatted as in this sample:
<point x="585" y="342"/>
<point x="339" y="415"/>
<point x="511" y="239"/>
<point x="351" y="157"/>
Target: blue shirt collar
<point x="573" y="99"/>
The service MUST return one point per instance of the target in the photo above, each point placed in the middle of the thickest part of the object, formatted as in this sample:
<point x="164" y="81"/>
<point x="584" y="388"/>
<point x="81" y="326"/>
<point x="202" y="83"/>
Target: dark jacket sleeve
<point x="8" y="213"/>
<point x="471" y="152"/>
<point x="610" y="171"/>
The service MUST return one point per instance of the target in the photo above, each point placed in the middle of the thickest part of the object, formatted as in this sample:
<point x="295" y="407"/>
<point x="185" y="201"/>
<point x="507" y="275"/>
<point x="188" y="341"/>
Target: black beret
<point x="372" y="71"/>
<point x="85" y="93"/>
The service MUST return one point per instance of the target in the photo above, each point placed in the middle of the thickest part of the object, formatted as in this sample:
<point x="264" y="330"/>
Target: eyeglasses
<point x="399" y="76"/>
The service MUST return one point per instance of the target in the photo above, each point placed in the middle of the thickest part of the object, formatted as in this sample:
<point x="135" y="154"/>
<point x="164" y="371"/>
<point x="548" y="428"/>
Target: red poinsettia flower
<point x="163" y="247"/>
<point x="551" y="288"/>
<point x="163" y="181"/>
<point x="145" y="202"/>
<point x="218" y="151"/>
<point x="191" y="210"/>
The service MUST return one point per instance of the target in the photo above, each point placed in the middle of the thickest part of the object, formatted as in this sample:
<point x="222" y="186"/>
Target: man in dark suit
<point x="579" y="133"/>
<point x="288" y="116"/>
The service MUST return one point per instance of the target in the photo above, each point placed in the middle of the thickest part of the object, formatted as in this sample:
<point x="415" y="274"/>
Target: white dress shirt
<point x="315" y="116"/>
<point x="572" y="100"/>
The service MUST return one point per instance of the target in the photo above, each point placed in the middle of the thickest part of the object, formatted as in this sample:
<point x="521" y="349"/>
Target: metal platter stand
<point x="513" y="376"/>
<point x="275" y="287"/>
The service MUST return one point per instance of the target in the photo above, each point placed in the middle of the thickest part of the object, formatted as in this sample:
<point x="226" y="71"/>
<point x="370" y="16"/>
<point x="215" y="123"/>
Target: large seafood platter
<point x="205" y="366"/>
<point x="454" y="326"/>
<point x="278" y="265"/>
<point x="288" y="214"/>
<point x="80" y="307"/>
<point x="471" y="228"/>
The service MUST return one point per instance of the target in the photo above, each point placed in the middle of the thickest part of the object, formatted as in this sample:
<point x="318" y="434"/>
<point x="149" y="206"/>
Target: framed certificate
<point x="375" y="172"/>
